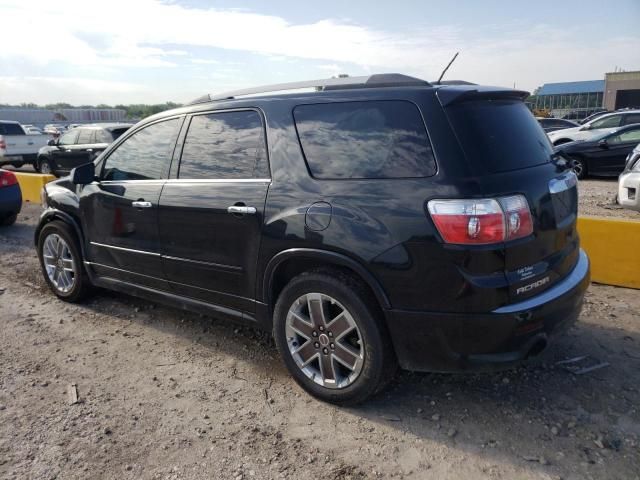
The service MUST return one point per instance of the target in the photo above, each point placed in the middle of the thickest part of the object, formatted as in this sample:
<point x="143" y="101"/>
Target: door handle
<point x="68" y="151"/>
<point x="242" y="210"/>
<point x="89" y="150"/>
<point x="141" y="204"/>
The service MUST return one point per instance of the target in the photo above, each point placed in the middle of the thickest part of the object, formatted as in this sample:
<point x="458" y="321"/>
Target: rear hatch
<point x="509" y="154"/>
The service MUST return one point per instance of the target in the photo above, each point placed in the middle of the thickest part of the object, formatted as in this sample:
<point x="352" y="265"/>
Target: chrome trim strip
<point x="580" y="271"/>
<point x="220" y="180"/>
<point x="102" y="265"/>
<point x="130" y="182"/>
<point x="130" y="250"/>
<point x="201" y="262"/>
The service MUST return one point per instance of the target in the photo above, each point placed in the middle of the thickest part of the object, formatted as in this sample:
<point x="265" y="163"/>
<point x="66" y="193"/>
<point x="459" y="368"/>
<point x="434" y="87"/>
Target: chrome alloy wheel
<point x="324" y="340"/>
<point x="59" y="264"/>
<point x="577" y="167"/>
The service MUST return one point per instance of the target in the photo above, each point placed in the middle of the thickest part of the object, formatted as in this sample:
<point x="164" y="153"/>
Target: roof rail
<point x="372" y="81"/>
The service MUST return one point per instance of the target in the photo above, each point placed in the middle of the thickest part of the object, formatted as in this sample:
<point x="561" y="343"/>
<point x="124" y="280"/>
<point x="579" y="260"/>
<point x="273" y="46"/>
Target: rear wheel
<point x="61" y="262"/>
<point x="331" y="337"/>
<point x="579" y="167"/>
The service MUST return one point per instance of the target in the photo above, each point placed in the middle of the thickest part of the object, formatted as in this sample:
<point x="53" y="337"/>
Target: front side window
<point x="225" y="145"/>
<point x="609" y="122"/>
<point x="370" y="139"/>
<point x="86" y="136"/>
<point x="624" y="137"/>
<point x="69" y="138"/>
<point x="145" y="155"/>
<point x="10" y="129"/>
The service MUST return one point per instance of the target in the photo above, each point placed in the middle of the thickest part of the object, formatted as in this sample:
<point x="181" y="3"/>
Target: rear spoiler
<point x="455" y="94"/>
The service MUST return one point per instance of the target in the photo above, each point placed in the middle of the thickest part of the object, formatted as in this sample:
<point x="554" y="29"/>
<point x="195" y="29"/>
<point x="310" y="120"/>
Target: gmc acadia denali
<point x="367" y="222"/>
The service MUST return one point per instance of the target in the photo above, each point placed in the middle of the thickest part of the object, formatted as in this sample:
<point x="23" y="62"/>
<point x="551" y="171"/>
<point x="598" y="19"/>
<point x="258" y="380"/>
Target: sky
<point x="152" y="51"/>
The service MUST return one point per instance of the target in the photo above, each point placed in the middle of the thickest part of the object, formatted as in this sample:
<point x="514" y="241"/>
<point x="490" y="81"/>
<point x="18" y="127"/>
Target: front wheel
<point x="44" y="166"/>
<point x="579" y="167"/>
<point x="61" y="262"/>
<point x="331" y="337"/>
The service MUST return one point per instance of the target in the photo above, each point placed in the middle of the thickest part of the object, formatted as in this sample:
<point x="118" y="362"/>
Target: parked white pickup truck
<point x="16" y="146"/>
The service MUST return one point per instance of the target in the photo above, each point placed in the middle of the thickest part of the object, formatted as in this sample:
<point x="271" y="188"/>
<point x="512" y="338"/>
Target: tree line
<point x="136" y="110"/>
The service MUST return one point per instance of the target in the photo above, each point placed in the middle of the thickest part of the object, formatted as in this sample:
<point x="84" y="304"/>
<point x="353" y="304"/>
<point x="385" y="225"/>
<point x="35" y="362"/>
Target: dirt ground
<point x="597" y="197"/>
<point x="170" y="395"/>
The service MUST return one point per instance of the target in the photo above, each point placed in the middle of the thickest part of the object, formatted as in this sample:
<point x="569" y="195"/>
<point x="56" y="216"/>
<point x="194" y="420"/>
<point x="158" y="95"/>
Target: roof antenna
<point x="447" y="68"/>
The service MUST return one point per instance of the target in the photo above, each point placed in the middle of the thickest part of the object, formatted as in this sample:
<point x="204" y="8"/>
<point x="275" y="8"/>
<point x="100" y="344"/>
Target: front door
<point x="64" y="150"/>
<point x="120" y="211"/>
<point x="211" y="215"/>
<point x="610" y="160"/>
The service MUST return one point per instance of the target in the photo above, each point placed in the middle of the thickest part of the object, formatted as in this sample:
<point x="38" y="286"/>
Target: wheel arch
<point x="289" y="263"/>
<point x="54" y="214"/>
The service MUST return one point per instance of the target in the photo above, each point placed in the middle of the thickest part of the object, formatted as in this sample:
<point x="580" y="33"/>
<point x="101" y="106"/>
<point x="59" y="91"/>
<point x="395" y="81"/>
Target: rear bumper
<point x="629" y="190"/>
<point x="453" y="342"/>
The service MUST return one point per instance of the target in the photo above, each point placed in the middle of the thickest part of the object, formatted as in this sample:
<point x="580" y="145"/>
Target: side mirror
<point x="84" y="174"/>
<point x="603" y="143"/>
<point x="52" y="142"/>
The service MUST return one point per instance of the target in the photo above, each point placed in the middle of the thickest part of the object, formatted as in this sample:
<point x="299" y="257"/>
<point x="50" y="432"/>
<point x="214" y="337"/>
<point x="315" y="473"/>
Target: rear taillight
<point x="7" y="179"/>
<point x="482" y="221"/>
<point x="3" y="144"/>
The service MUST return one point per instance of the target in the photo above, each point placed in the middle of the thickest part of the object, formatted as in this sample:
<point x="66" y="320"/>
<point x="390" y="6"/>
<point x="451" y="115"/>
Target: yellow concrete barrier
<point x="31" y="184"/>
<point x="612" y="246"/>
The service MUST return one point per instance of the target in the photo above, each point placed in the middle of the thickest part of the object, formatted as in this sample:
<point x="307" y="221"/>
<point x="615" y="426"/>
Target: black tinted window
<point x="385" y="139"/>
<point x="500" y="135"/>
<point x="10" y="129"/>
<point x="114" y="134"/>
<point x="86" y="136"/>
<point x="632" y="118"/>
<point x="224" y="145"/>
<point x="146" y="155"/>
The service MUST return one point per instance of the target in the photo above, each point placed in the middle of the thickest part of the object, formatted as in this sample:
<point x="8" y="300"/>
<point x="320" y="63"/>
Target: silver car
<point x="629" y="182"/>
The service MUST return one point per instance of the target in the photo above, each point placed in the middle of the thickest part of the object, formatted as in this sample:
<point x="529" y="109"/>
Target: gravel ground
<point x="164" y="394"/>
<point x="597" y="197"/>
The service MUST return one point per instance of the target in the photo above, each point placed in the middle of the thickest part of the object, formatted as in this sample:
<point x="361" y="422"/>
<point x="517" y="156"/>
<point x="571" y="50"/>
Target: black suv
<point x="78" y="146"/>
<point x="365" y="222"/>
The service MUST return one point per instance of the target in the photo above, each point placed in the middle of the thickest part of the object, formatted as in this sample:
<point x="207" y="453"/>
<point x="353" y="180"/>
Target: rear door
<point x="510" y="154"/>
<point x="211" y="214"/>
<point x="120" y="211"/>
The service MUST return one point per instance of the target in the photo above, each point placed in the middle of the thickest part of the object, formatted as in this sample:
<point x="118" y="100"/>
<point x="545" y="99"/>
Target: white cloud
<point x="145" y="33"/>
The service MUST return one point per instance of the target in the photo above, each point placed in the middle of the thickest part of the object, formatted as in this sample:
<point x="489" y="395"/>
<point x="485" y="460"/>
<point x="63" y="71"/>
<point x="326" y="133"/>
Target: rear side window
<point x="632" y="118"/>
<point x="375" y="139"/>
<point x="499" y="135"/>
<point x="225" y="145"/>
<point x="145" y="155"/>
<point x="10" y="129"/>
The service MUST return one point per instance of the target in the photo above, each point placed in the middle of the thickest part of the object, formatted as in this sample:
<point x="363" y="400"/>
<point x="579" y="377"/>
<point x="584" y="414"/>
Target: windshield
<point x="500" y="134"/>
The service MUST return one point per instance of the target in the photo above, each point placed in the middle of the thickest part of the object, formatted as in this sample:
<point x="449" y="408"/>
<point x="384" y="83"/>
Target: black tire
<point x="10" y="220"/>
<point x="379" y="364"/>
<point x="81" y="285"/>
<point x="44" y="166"/>
<point x="579" y="167"/>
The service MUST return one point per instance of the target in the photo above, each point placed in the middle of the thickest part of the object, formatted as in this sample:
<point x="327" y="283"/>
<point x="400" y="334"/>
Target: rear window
<point x="355" y="140"/>
<point x="10" y="129"/>
<point x="501" y="135"/>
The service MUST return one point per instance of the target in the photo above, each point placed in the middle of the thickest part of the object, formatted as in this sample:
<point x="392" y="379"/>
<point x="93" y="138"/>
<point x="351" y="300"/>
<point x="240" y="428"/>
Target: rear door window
<point x="10" y="129"/>
<point x="371" y="139"/>
<point x="632" y="118"/>
<point x="499" y="135"/>
<point x="225" y="145"/>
